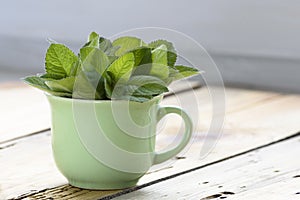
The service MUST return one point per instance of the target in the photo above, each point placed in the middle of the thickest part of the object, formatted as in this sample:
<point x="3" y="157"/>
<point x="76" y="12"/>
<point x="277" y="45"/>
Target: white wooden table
<point x="257" y="156"/>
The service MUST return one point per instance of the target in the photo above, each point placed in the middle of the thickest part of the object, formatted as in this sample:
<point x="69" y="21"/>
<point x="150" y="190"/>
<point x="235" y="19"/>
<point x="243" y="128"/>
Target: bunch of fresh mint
<point x="126" y="68"/>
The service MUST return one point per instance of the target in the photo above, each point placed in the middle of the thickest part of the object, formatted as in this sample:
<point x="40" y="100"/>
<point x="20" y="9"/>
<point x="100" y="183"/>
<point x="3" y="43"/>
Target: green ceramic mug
<point x="103" y="144"/>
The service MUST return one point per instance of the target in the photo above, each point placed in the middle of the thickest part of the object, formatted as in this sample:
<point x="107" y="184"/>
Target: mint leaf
<point x="62" y="85"/>
<point x="112" y="58"/>
<point x="140" y="88"/>
<point x="86" y="86"/>
<point x="59" y="60"/>
<point x="107" y="47"/>
<point x="184" y="72"/>
<point x="126" y="44"/>
<point x="142" y="55"/>
<point x="157" y="43"/>
<point x="39" y="83"/>
<point x="109" y="84"/>
<point x="76" y="65"/>
<point x="36" y="82"/>
<point x="119" y="69"/>
<point x="93" y="64"/>
<point x="105" y="44"/>
<point x="151" y="62"/>
<point x="159" y="62"/>
<point x="143" y="60"/>
<point x="159" y="55"/>
<point x="93" y="59"/>
<point x="172" y="56"/>
<point x="122" y="67"/>
<point x="50" y="76"/>
<point x="152" y="89"/>
<point x="172" y="73"/>
<point x="145" y="79"/>
<point x="93" y="40"/>
<point x="126" y="68"/>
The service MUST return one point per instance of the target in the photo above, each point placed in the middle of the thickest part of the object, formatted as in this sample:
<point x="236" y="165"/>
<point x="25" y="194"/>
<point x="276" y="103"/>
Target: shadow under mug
<point x="104" y="144"/>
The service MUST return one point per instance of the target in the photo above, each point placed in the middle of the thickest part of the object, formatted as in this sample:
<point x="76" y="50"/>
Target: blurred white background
<point x="255" y="43"/>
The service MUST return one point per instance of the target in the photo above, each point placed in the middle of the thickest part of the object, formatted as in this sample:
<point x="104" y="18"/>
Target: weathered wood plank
<point x="24" y="110"/>
<point x="262" y="123"/>
<point x="27" y="167"/>
<point x="237" y="137"/>
<point x="269" y="173"/>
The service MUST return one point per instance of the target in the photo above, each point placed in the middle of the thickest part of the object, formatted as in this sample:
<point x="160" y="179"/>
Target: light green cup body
<point x="108" y="144"/>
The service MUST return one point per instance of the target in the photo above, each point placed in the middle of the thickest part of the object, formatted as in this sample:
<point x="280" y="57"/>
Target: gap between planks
<point x="245" y="97"/>
<point x="129" y="190"/>
<point x="24" y="136"/>
<point x="45" y="193"/>
<point x="270" y="172"/>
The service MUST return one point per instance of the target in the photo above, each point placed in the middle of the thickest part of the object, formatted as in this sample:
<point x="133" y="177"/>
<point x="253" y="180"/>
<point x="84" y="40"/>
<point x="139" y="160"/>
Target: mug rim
<point x="158" y="97"/>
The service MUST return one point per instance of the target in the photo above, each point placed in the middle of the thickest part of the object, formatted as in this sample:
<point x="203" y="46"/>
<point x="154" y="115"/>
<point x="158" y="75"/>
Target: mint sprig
<point x="126" y="68"/>
<point x="59" y="60"/>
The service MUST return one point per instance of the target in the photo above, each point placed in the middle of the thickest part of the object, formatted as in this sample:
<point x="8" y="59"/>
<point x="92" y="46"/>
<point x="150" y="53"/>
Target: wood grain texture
<point x="27" y="165"/>
<point x="24" y="110"/>
<point x="269" y="173"/>
<point x="253" y="118"/>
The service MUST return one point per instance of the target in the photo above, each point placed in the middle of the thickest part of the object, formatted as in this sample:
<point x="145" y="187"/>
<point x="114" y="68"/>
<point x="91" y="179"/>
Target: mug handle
<point x="166" y="155"/>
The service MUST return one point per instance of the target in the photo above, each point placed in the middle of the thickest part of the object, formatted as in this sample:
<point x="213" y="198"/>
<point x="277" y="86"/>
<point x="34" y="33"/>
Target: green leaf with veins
<point x="126" y="44"/>
<point x="145" y="79"/>
<point x="93" y="40"/>
<point x="140" y="86"/>
<point x="59" y="60"/>
<point x="157" y="43"/>
<point x="143" y="60"/>
<point x="184" y="72"/>
<point x="86" y="84"/>
<point x="172" y="56"/>
<point x="93" y="64"/>
<point x="39" y="83"/>
<point x="93" y="59"/>
<point x="126" y="68"/>
<point x="62" y="85"/>
<point x="122" y="67"/>
<point x="142" y="55"/>
<point x="160" y="67"/>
